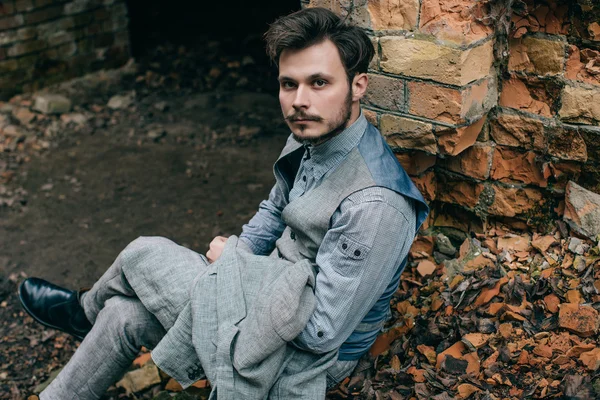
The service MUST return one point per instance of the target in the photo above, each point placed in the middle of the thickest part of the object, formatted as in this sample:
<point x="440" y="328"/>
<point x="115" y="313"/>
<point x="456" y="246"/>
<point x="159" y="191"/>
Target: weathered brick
<point x="385" y="92"/>
<point x="13" y="36"/>
<point x="583" y="65"/>
<point x="591" y="138"/>
<point x="44" y="14"/>
<point x="537" y="96"/>
<point x="453" y="141"/>
<point x="85" y="45"/>
<point x="580" y="105"/>
<point x="566" y="143"/>
<point x="474" y="161"/>
<point x="416" y="162"/>
<point x="104" y="40"/>
<point x="408" y="133"/>
<point x="11" y="22"/>
<point x="426" y="184"/>
<point x="518" y="131"/>
<point x="451" y="105"/>
<point x="511" y="165"/>
<point x="512" y="201"/>
<point x="7" y="8"/>
<point x="77" y="7"/>
<point x="435" y="102"/>
<point x="59" y="38"/>
<point x="49" y="28"/>
<point x="427" y="60"/>
<point x="458" y="192"/>
<point x="455" y="21"/>
<point x="393" y="14"/>
<point x="8" y="66"/>
<point x="122" y="39"/>
<point x="24" y="5"/>
<point x="66" y="50"/>
<point x="2" y="53"/>
<point x="22" y="48"/>
<point x="374" y="64"/>
<point x="541" y="16"/>
<point x="539" y="56"/>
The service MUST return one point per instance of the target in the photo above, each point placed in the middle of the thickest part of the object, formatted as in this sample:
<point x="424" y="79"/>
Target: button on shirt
<point x="375" y="223"/>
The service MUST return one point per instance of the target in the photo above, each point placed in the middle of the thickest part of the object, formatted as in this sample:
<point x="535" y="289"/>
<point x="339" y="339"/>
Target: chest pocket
<point x="350" y="256"/>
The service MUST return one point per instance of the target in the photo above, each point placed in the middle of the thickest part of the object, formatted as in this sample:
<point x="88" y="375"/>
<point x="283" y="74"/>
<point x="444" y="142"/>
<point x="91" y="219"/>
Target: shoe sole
<point x="39" y="320"/>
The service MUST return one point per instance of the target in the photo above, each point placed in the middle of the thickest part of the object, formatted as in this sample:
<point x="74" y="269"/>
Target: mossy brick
<point x="22" y="48"/>
<point x="119" y="9"/>
<point x="44" y="14"/>
<point x="7" y="8"/>
<point x="122" y="38"/>
<point x="14" y="21"/>
<point x="61" y="24"/>
<point x="8" y="66"/>
<point x="428" y="60"/>
<point x="2" y="53"/>
<point x="24" y="5"/>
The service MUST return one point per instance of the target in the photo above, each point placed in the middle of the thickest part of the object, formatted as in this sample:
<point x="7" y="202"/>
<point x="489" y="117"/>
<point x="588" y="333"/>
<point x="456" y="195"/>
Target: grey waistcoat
<point x="308" y="217"/>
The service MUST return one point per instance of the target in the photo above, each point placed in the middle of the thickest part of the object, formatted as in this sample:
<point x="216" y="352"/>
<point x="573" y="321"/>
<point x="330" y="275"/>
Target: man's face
<point x="315" y="96"/>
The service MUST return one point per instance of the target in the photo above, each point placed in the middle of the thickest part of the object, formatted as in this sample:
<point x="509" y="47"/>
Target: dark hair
<point x="312" y="26"/>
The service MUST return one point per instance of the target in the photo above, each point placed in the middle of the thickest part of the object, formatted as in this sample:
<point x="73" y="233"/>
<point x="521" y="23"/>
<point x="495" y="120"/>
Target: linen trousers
<point x="122" y="323"/>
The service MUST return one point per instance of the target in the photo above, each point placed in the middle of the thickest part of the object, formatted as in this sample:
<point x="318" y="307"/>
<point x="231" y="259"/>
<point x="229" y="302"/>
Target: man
<point x="341" y="201"/>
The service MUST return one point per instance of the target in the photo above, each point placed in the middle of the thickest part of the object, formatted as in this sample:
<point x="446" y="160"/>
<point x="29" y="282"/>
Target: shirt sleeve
<point x="263" y="230"/>
<point x="370" y="236"/>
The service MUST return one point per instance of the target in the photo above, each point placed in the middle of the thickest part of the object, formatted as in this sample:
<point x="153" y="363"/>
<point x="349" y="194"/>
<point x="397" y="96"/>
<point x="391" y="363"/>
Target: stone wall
<point x="47" y="41"/>
<point x="491" y="106"/>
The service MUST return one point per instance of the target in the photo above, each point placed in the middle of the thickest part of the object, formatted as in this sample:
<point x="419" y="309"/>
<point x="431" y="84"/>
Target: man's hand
<point x="215" y="248"/>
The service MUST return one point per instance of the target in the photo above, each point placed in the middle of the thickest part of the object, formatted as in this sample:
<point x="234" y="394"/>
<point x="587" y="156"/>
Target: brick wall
<point x="47" y="41"/>
<point x="490" y="109"/>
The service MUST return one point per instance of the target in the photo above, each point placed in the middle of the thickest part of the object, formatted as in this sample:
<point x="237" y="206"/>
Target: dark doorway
<point x="188" y="22"/>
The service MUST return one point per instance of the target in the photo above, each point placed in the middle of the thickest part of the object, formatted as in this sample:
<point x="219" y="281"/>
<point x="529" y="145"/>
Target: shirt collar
<point x="327" y="155"/>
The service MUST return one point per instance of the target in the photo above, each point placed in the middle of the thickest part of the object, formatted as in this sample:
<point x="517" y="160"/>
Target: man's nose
<point x="302" y="98"/>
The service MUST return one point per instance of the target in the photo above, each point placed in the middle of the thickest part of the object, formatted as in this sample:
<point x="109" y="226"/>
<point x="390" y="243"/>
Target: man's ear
<point x="359" y="86"/>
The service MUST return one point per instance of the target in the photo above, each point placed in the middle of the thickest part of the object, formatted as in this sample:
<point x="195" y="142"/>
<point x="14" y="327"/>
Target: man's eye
<point x="287" y="85"/>
<point x="320" y="83"/>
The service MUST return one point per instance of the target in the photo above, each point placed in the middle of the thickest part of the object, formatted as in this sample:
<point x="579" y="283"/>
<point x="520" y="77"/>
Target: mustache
<point x="303" y="116"/>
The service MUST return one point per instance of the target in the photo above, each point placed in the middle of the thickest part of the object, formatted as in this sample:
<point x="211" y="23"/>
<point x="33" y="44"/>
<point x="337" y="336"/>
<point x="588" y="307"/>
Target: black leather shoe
<point x="54" y="307"/>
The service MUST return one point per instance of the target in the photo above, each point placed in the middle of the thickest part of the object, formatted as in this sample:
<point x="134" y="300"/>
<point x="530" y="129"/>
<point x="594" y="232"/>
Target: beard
<point x="333" y="128"/>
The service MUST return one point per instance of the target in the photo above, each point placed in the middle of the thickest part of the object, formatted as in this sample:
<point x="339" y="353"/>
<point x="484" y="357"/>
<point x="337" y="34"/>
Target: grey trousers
<point x="122" y="325"/>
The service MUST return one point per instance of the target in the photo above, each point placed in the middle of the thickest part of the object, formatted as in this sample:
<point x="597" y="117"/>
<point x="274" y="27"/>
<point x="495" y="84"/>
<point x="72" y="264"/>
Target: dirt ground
<point x="187" y="160"/>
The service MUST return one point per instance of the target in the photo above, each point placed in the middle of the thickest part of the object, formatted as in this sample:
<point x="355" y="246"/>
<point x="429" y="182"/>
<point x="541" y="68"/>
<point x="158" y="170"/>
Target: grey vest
<point x="308" y="217"/>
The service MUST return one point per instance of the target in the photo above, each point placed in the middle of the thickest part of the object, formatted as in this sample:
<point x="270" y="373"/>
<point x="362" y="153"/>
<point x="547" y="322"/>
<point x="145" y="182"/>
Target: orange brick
<point x="416" y="162"/>
<point x="517" y="131"/>
<point x="462" y="193"/>
<point x="426" y="184"/>
<point x="393" y="14"/>
<point x="455" y="21"/>
<point x="511" y="201"/>
<point x="453" y="141"/>
<point x="474" y="161"/>
<point x="516" y="166"/>
<point x="531" y="94"/>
